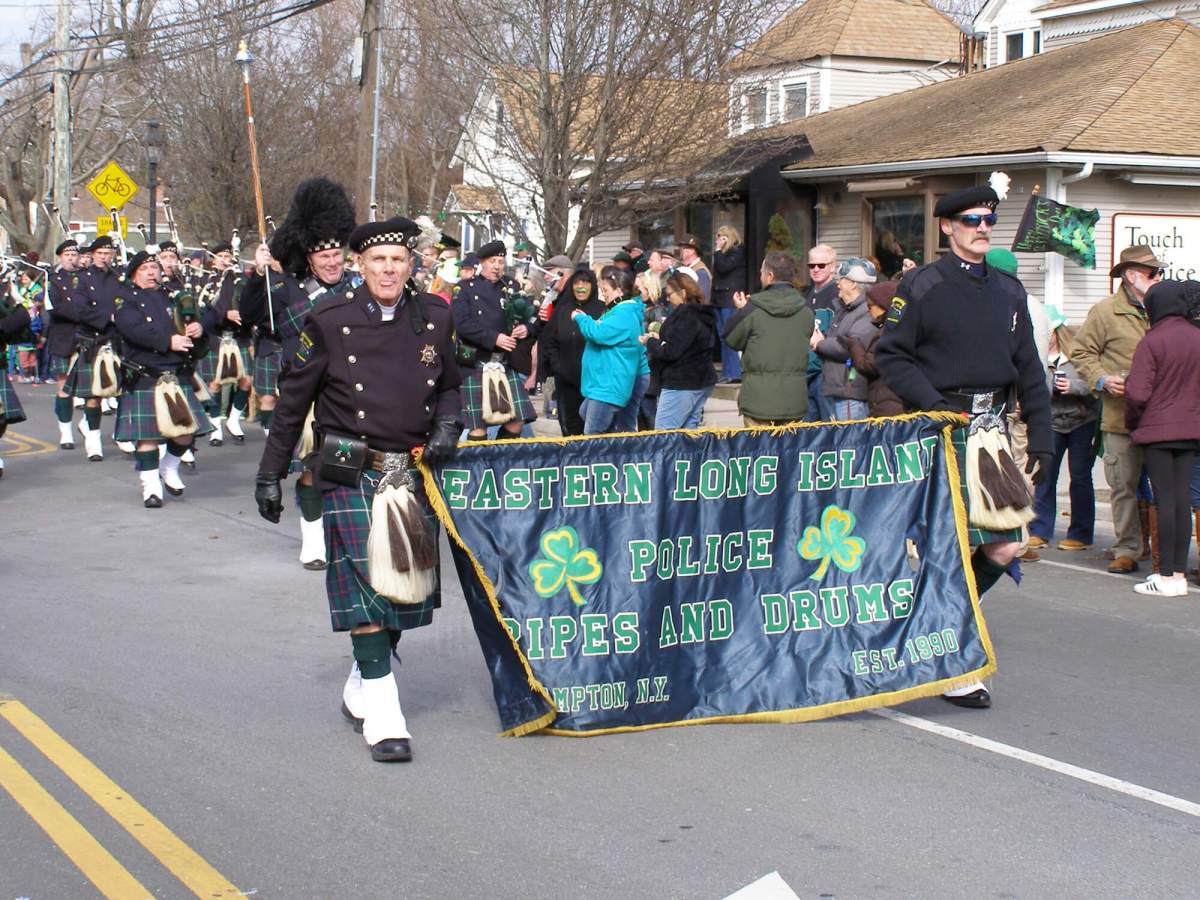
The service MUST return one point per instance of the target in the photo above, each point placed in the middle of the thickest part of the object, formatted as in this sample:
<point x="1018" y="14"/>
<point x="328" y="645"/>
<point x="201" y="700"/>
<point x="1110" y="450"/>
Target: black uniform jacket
<point x="479" y="318"/>
<point x="291" y="301"/>
<point x="91" y="307"/>
<point x="61" y="335"/>
<point x="950" y="331"/>
<point x="384" y="382"/>
<point x="146" y="324"/>
<point x="225" y="292"/>
<point x="14" y="325"/>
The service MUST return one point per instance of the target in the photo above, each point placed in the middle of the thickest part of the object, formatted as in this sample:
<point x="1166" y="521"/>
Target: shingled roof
<point x="879" y="29"/>
<point x="1123" y="92"/>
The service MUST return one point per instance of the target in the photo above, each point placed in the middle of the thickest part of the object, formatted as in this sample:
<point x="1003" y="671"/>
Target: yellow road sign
<point x="104" y="226"/>
<point x="112" y="187"/>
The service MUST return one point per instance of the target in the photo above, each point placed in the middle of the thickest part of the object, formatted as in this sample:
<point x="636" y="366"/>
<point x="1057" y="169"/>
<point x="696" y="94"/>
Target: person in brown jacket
<point x="1102" y="355"/>
<point x="881" y="401"/>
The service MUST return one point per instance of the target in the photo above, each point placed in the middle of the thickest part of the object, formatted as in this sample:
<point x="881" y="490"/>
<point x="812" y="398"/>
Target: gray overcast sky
<point x="15" y="20"/>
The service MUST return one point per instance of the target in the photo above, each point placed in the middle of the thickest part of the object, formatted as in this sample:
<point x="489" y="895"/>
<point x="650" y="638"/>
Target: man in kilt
<point x="378" y="362"/>
<point x="222" y="296"/>
<point x="487" y="338"/>
<point x="14" y="325"/>
<point x="60" y="337"/>
<point x="159" y="402"/>
<point x="958" y="337"/>
<point x="306" y="263"/>
<point x="90" y="309"/>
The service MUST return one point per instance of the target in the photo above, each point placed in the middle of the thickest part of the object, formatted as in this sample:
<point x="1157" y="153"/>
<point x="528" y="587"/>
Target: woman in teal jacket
<point x="615" y="371"/>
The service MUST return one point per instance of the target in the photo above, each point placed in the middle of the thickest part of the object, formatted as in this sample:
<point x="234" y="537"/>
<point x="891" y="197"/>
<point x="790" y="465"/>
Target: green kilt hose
<point x="352" y="601"/>
<point x="206" y="367"/>
<point x="136" y="420"/>
<point x="976" y="535"/>
<point x="60" y="365"/>
<point x="266" y="372"/>
<point x="10" y="403"/>
<point x="472" y="399"/>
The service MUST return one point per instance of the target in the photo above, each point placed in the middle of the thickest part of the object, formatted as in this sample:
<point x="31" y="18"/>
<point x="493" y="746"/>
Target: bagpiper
<point x="60" y="337"/>
<point x="307" y="265"/>
<point x="227" y="363"/>
<point x="159" y="404"/>
<point x="95" y="368"/>
<point x="958" y="338"/>
<point x="378" y="363"/>
<point x="14" y="324"/>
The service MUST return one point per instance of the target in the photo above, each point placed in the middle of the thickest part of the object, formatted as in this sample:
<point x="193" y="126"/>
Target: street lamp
<point x="154" y="142"/>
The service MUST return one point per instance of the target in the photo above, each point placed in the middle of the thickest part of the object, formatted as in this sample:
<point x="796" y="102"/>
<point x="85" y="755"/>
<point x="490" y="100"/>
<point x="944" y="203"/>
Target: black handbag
<point x="342" y="459"/>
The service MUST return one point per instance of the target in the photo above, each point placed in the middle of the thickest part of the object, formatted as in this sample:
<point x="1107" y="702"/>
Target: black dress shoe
<point x="239" y="439"/>
<point x="314" y="565"/>
<point x="979" y="699"/>
<point x="174" y="492"/>
<point x="392" y="750"/>
<point x="152" y="502"/>
<point x="188" y="465"/>
<point x="215" y="442"/>
<point x="95" y="457"/>
<point x="66" y="446"/>
<point x="352" y="718"/>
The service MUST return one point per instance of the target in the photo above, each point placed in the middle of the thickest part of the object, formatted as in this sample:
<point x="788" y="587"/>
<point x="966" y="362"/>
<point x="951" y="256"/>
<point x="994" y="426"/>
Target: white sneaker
<point x="93" y="446"/>
<point x="168" y="469"/>
<point x="1157" y="586"/>
<point x="312" y="544"/>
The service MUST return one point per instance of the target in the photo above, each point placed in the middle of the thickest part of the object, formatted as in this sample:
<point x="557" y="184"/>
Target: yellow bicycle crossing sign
<point x="112" y="187"/>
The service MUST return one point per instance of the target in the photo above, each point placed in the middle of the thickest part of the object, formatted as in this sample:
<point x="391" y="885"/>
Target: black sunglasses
<point x="972" y="220"/>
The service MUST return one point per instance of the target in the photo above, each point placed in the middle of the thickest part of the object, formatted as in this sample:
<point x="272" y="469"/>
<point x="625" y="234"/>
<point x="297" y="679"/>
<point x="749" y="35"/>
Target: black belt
<point x="387" y="461"/>
<point x="976" y="402"/>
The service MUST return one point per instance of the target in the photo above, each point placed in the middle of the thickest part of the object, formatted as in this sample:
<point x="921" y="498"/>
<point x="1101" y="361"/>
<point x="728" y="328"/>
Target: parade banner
<point x="621" y="582"/>
<point x="1051" y="227"/>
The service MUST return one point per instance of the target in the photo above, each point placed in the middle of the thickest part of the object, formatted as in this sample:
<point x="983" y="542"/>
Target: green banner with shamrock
<point x="622" y="582"/>
<point x="1051" y="227"/>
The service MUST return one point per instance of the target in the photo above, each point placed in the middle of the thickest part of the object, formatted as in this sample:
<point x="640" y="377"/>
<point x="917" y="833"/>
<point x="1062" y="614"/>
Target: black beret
<point x="492" y="248"/>
<point x="223" y="247"/>
<point x="66" y="245"/>
<point x="168" y="247"/>
<point x="967" y="198"/>
<point x="397" y="230"/>
<point x="100" y="243"/>
<point x="470" y="261"/>
<point x="139" y="259"/>
<point x="446" y="242"/>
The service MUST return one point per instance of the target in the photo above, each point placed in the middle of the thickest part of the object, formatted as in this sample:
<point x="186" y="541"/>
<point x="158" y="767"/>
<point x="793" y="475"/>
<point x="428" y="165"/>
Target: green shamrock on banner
<point x="566" y="563"/>
<point x="833" y="542"/>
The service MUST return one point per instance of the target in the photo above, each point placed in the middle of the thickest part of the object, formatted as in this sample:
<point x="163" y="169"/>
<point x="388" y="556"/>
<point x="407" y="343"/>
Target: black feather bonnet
<point x="320" y="218"/>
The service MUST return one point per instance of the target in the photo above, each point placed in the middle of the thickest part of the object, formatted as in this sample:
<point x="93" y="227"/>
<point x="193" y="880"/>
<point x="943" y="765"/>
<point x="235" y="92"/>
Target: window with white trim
<point x="793" y="100"/>
<point x="755" y="114"/>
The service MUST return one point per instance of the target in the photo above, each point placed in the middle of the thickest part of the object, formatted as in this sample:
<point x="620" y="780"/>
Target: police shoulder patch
<point x="896" y="311"/>
<point x="304" y="351"/>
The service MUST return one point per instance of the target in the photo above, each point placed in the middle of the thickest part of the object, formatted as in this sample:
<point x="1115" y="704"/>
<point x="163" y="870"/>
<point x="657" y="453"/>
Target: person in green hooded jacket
<point x="772" y="330"/>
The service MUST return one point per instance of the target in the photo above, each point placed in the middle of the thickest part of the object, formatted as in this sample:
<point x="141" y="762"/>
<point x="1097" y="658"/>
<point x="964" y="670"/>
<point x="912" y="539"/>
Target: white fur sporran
<point x="998" y="495"/>
<point x="307" y="437"/>
<point x="498" y="404"/>
<point x="401" y="552"/>
<point x="106" y="373"/>
<point x="171" y="411"/>
<point x="230" y="368"/>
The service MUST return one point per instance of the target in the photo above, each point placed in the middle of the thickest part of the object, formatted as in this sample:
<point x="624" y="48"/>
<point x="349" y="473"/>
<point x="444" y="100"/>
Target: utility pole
<point x="368" y="115"/>
<point x="62" y="121"/>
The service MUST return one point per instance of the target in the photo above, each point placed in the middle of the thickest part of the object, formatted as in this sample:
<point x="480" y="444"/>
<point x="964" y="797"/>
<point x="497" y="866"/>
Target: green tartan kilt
<point x="206" y="368"/>
<point x="352" y="601"/>
<point x="136" y="420"/>
<point x="10" y="403"/>
<point x="60" y="365"/>
<point x="79" y="378"/>
<point x="472" y="399"/>
<point x="975" y="535"/>
<point x="266" y="373"/>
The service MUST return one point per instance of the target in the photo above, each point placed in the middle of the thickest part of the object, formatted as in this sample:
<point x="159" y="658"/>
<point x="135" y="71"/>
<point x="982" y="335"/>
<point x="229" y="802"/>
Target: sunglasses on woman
<point x="972" y="220"/>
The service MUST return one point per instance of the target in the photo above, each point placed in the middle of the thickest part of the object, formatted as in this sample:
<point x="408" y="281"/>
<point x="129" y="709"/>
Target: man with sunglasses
<point x="958" y="338"/>
<point x="1102" y="353"/>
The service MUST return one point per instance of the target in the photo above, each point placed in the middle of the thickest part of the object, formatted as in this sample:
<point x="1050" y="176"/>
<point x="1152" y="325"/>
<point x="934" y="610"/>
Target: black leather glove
<point x="269" y="496"/>
<point x="1037" y="465"/>
<point x="443" y="441"/>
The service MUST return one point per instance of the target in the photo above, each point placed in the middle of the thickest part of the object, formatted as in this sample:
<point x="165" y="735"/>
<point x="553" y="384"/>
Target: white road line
<point x="1086" y="570"/>
<point x="1045" y="762"/>
<point x="769" y="887"/>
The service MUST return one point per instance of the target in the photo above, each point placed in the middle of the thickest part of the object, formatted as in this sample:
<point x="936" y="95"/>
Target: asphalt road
<point x="185" y="654"/>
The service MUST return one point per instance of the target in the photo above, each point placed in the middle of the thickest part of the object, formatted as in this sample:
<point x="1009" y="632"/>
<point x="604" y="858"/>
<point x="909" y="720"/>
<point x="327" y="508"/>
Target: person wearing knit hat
<point x="844" y="391"/>
<point x="958" y="339"/>
<point x="375" y="365"/>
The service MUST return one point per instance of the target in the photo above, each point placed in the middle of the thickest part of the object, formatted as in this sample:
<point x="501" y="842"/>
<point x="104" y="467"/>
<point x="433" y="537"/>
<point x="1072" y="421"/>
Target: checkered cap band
<point x="327" y="244"/>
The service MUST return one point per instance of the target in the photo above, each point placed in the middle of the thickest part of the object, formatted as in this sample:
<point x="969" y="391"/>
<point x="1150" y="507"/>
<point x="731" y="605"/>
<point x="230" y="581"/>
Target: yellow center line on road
<point x="98" y="865"/>
<point x="181" y="860"/>
<point x="15" y="445"/>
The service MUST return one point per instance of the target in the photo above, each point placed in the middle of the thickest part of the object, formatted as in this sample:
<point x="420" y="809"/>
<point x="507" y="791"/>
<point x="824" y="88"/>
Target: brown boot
<point x="1144" y="510"/>
<point x="1153" y="536"/>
